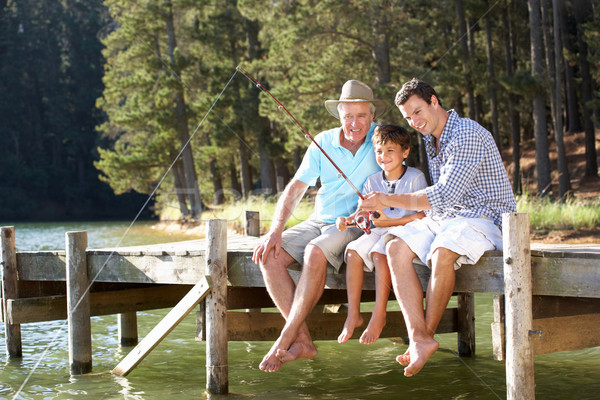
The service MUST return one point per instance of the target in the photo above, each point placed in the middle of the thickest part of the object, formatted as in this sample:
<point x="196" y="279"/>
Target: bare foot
<point x="352" y="321"/>
<point x="404" y="359"/>
<point x="276" y="357"/>
<point x="420" y="352"/>
<point x="376" y="324"/>
<point x="297" y="351"/>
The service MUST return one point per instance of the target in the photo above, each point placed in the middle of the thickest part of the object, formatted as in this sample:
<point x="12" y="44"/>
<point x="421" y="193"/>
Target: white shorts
<point x="366" y="245"/>
<point x="468" y="237"/>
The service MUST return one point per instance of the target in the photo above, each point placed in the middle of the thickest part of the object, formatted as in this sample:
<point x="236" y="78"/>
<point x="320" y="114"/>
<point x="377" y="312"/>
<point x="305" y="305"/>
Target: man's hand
<point x="271" y="241"/>
<point x="342" y="223"/>
<point x="372" y="202"/>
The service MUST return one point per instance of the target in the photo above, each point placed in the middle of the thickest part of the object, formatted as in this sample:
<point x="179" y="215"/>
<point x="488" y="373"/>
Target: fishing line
<point x="112" y="253"/>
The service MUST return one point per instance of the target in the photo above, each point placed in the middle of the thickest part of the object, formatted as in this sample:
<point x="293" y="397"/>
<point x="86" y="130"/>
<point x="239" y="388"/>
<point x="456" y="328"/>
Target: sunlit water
<point x="176" y="368"/>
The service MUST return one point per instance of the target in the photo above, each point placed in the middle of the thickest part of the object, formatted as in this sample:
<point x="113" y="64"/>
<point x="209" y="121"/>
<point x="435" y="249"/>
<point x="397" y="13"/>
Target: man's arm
<point x="286" y="205"/>
<point x="409" y="201"/>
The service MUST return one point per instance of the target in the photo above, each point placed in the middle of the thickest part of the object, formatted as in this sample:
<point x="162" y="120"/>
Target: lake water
<point x="176" y="368"/>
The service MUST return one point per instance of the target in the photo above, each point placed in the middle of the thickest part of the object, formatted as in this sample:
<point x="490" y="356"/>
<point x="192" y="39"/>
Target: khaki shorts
<point x="469" y="237"/>
<point x="321" y="234"/>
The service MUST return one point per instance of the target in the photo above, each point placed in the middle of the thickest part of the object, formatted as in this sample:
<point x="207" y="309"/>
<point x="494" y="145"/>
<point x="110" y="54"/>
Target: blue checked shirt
<point x="468" y="176"/>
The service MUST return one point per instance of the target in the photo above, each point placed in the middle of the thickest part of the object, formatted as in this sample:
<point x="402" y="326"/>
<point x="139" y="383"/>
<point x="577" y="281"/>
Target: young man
<point x="463" y="208"/>
<point x="316" y="242"/>
<point x="392" y="146"/>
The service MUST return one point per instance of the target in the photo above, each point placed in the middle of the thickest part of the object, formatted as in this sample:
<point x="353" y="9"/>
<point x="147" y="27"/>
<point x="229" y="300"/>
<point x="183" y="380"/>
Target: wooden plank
<point x="164" y="327"/>
<point x="257" y="326"/>
<point x="572" y="332"/>
<point x="50" y="308"/>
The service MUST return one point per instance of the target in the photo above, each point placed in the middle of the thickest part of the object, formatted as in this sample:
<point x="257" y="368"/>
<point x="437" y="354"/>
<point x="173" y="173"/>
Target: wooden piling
<point x="217" y="370"/>
<point x="10" y="290"/>
<point x="466" y="324"/>
<point x="518" y="304"/>
<point x="78" y="303"/>
<point x="252" y="225"/>
<point x="128" y="333"/>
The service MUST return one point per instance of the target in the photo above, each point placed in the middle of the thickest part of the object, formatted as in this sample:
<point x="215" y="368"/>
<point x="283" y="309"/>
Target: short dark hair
<point x="391" y="133"/>
<point x="416" y="86"/>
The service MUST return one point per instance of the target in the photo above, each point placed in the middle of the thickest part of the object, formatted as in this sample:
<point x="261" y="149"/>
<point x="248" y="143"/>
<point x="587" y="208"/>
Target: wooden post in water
<point x="217" y="370"/>
<point x="128" y="333"/>
<point x="10" y="290"/>
<point x="518" y="304"/>
<point x="78" y="304"/>
<point x="466" y="324"/>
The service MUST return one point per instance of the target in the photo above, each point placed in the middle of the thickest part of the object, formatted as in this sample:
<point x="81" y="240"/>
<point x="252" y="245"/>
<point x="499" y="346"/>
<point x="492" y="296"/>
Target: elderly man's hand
<point x="271" y="241"/>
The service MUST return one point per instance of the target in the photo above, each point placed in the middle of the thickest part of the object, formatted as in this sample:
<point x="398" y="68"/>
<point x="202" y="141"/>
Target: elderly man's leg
<point x="295" y="341"/>
<point x="409" y="293"/>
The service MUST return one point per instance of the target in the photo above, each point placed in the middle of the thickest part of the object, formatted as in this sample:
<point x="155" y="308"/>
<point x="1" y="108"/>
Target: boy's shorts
<point x="468" y="237"/>
<point x="321" y="234"/>
<point x="366" y="245"/>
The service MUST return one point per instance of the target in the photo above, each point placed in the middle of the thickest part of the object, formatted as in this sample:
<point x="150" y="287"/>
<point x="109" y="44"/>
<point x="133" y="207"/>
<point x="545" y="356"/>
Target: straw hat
<point x="356" y="92"/>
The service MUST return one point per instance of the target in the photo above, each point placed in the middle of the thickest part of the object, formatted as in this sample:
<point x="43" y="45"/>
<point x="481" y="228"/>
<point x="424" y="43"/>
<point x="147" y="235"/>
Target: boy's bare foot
<point x="376" y="324"/>
<point x="420" y="352"/>
<point x="352" y="321"/>
<point x="276" y="357"/>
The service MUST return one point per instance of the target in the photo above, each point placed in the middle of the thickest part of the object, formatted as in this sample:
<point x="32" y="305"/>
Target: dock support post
<point x="10" y="290"/>
<point x="78" y="303"/>
<point x="128" y="333"/>
<point x="466" y="324"/>
<point x="217" y="369"/>
<point x="518" y="304"/>
<point x="252" y="226"/>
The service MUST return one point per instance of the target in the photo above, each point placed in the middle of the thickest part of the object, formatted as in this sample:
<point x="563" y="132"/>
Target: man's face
<point x="422" y="116"/>
<point x="356" y="120"/>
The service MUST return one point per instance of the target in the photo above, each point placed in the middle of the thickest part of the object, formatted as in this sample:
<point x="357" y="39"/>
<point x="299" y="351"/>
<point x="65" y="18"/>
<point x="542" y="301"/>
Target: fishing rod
<point x="361" y="222"/>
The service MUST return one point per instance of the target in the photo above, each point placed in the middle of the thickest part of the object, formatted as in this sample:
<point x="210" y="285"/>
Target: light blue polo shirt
<point x="335" y="197"/>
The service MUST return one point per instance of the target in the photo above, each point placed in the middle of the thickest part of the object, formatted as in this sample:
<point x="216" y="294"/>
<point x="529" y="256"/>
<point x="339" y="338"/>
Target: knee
<point x="397" y="247"/>
<point x="443" y="258"/>
<point x="314" y="257"/>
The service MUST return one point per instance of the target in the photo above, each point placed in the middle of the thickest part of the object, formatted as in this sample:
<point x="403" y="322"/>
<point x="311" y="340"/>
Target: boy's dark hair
<point x="418" y="87"/>
<point x="391" y="133"/>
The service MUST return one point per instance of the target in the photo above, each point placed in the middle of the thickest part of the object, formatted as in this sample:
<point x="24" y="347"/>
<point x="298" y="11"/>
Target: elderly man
<point x="315" y="243"/>
<point x="464" y="209"/>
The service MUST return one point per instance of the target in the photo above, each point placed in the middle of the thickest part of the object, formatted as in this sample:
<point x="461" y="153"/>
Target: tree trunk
<point x="573" y="121"/>
<point x="244" y="170"/>
<point x="233" y="176"/>
<point x="564" y="180"/>
<point x="181" y="123"/>
<point x="512" y="104"/>
<point x="492" y="81"/>
<point x="381" y="47"/>
<point x="282" y="174"/>
<point x="539" y="106"/>
<point x="179" y="181"/>
<point x="462" y="31"/>
<point x="582" y="11"/>
<point x="549" y="42"/>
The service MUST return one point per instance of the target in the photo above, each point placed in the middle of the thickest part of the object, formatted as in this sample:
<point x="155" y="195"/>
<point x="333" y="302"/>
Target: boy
<point x="392" y="146"/>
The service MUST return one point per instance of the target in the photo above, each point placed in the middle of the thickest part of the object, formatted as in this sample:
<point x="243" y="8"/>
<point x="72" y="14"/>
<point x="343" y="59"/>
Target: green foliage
<point x="545" y="214"/>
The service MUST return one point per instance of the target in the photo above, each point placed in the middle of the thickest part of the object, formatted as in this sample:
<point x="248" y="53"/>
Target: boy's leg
<point x="354" y="283"/>
<point x="383" y="283"/>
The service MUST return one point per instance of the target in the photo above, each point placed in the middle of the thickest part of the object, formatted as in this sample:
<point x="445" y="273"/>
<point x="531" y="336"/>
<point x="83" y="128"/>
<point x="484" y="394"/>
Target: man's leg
<point x="295" y="341"/>
<point x="440" y="287"/>
<point x="354" y="283"/>
<point x="409" y="293"/>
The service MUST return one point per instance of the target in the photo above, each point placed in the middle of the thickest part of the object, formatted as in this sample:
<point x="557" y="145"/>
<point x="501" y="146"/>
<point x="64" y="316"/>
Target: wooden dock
<point x="542" y="292"/>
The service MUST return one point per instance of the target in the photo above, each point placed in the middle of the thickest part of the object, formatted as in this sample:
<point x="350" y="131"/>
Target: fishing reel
<point x="364" y="222"/>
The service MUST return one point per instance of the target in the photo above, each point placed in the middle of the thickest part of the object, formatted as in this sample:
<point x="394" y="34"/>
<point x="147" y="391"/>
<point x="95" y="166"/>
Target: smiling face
<point x="428" y="119"/>
<point x="390" y="156"/>
<point x="356" y="121"/>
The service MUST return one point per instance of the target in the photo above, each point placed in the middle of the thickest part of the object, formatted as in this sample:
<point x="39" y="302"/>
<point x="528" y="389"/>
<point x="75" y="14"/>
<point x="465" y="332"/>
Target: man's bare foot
<point x="352" y="321"/>
<point x="297" y="351"/>
<point x="376" y="324"/>
<point x="404" y="359"/>
<point x="276" y="357"/>
<point x="420" y="352"/>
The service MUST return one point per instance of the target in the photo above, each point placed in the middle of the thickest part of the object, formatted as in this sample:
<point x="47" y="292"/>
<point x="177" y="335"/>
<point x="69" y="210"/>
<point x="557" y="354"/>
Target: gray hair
<point x="372" y="108"/>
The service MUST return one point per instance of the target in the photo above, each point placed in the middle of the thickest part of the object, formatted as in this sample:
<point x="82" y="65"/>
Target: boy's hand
<point x="380" y="221"/>
<point x="341" y="223"/>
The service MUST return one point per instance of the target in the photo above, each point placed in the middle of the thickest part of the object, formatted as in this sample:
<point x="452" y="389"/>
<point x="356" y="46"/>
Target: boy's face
<point x="390" y="155"/>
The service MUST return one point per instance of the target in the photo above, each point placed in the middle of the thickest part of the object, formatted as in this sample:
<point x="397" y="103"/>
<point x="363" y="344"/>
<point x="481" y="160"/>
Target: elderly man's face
<point x="356" y="120"/>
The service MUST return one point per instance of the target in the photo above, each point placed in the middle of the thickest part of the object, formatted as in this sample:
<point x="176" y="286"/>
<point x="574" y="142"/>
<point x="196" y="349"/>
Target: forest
<point x="108" y="103"/>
